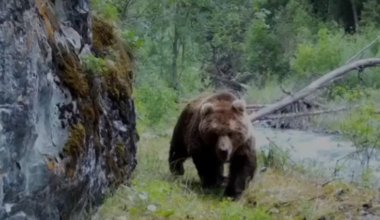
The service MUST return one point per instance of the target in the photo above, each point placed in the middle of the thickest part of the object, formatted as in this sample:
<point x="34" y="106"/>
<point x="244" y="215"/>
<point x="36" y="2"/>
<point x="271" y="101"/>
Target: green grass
<point x="158" y="195"/>
<point x="275" y="194"/>
<point x="271" y="91"/>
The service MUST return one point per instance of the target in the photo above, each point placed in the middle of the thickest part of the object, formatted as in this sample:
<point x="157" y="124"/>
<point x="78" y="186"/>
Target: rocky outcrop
<point x="67" y="132"/>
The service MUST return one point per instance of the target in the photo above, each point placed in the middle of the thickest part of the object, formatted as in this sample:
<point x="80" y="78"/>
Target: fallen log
<point x="315" y="85"/>
<point x="304" y="114"/>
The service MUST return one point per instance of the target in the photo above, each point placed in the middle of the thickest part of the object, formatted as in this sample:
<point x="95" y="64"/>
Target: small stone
<point x="8" y="207"/>
<point x="274" y="211"/>
<point x="152" y="208"/>
<point x="130" y="198"/>
<point x="263" y="169"/>
<point x="143" y="196"/>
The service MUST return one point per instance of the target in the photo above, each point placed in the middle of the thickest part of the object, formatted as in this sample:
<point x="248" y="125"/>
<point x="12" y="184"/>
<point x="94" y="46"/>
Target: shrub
<point x="106" y="9"/>
<point x="362" y="127"/>
<point x="264" y="51"/>
<point x="155" y="102"/>
<point x="94" y="65"/>
<point x="318" y="58"/>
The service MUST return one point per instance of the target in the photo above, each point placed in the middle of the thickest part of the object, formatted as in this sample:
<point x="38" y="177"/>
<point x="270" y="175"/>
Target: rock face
<point x="67" y="133"/>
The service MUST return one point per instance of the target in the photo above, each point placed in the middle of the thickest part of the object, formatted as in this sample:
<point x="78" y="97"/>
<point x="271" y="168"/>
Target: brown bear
<point x="214" y="130"/>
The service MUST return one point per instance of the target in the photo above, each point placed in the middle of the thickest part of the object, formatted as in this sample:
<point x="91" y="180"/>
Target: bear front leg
<point x="178" y="148"/>
<point x="210" y="170"/>
<point x="242" y="169"/>
<point x="177" y="156"/>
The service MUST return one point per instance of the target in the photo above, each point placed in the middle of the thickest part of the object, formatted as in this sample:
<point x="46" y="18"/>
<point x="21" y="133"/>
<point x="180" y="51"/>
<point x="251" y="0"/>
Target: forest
<point x="186" y="47"/>
<point x="264" y="50"/>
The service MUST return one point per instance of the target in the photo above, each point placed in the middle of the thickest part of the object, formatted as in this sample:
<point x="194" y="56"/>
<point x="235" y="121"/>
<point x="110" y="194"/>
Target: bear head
<point x="224" y="125"/>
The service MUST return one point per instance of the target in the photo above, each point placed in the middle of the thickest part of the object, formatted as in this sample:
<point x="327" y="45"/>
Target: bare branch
<point x="255" y="106"/>
<point x="284" y="91"/>
<point x="363" y="49"/>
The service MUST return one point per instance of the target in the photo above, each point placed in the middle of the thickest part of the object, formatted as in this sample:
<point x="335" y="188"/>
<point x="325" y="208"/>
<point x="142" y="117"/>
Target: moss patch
<point x="47" y="13"/>
<point x="71" y="72"/>
<point x="76" y="141"/>
<point x="74" y="147"/>
<point x="118" y="83"/>
<point x="103" y="35"/>
<point x="90" y="113"/>
<point x="108" y="45"/>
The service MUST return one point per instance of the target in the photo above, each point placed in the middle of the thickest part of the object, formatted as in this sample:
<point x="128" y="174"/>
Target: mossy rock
<point x="74" y="147"/>
<point x="103" y="35"/>
<point x="71" y="72"/>
<point x="88" y="88"/>
<point x="108" y="45"/>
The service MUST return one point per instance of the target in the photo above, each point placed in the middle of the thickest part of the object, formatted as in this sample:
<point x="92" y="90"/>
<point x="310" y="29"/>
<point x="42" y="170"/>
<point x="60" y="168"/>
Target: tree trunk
<point x="174" y="79"/>
<point x="355" y="15"/>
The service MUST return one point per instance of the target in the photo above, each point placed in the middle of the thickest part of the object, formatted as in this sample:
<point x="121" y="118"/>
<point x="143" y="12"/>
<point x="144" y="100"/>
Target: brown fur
<point x="213" y="130"/>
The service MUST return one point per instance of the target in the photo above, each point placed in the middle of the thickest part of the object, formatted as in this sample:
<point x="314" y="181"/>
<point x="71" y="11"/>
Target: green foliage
<point x="318" y="58"/>
<point x="181" y="43"/>
<point x="368" y="178"/>
<point x="370" y="13"/>
<point x="132" y="39"/>
<point x="363" y="127"/>
<point x="275" y="32"/>
<point x="264" y="51"/>
<point x="350" y="94"/>
<point x="269" y="40"/>
<point x="155" y="102"/>
<point x="106" y="9"/>
<point x="95" y="65"/>
<point x="276" y="158"/>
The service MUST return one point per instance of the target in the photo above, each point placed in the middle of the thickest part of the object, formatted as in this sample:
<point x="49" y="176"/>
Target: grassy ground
<point x="274" y="194"/>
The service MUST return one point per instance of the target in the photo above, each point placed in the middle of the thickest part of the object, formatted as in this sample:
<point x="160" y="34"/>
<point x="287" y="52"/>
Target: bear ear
<point x="206" y="108"/>
<point x="239" y="105"/>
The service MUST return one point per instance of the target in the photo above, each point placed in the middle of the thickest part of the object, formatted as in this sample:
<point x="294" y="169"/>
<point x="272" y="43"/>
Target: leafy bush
<point x="155" y="102"/>
<point x="318" y="58"/>
<point x="264" y="51"/>
<point x="107" y="10"/>
<point x="348" y="93"/>
<point x="362" y="127"/>
<point x="133" y="39"/>
<point x="94" y="65"/>
<point x="370" y="14"/>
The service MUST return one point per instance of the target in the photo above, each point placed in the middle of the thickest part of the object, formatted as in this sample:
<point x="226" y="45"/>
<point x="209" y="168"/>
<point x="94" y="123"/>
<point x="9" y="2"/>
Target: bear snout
<point x="224" y="148"/>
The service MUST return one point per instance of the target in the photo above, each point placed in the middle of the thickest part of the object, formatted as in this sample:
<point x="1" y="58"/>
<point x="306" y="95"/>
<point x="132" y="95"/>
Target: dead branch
<point x="255" y="106"/>
<point x="232" y="83"/>
<point x="315" y="85"/>
<point x="363" y="49"/>
<point x="284" y="90"/>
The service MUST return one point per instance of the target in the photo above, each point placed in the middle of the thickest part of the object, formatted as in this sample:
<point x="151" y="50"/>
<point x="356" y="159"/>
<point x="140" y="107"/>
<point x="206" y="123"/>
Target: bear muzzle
<point x="224" y="148"/>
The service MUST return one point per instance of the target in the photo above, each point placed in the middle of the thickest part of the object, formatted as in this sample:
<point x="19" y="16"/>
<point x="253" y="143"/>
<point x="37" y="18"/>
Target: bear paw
<point x="177" y="169"/>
